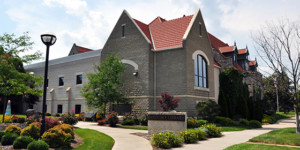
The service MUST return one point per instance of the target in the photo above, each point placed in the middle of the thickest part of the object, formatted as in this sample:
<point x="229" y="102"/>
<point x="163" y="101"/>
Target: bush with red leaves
<point x="50" y="123"/>
<point x="166" y="102"/>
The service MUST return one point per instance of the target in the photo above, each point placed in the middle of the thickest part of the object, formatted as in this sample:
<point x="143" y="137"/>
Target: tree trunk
<point x="297" y="119"/>
<point x="4" y="107"/>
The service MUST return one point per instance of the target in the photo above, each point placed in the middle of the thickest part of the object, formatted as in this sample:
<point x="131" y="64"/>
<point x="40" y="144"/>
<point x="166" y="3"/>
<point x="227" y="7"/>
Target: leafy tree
<point x="284" y="93"/>
<point x="103" y="85"/>
<point x="166" y="102"/>
<point x="13" y="78"/>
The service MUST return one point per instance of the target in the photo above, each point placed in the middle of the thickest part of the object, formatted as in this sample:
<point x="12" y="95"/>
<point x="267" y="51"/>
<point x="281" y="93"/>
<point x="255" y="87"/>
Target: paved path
<point x="124" y="140"/>
<point x="237" y="137"/>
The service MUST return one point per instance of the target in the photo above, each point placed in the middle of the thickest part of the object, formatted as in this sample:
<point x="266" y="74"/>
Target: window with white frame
<point x="200" y="67"/>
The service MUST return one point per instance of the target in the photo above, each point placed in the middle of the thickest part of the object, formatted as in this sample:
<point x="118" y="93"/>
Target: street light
<point x="48" y="39"/>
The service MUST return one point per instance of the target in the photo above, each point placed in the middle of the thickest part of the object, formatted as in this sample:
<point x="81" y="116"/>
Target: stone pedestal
<point x="160" y="121"/>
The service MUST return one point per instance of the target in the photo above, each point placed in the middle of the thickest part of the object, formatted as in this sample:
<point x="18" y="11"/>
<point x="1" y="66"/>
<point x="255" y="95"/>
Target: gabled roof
<point x="227" y="49"/>
<point x="252" y="63"/>
<point x="242" y="51"/>
<point x="166" y="34"/>
<point x="215" y="42"/>
<point x="82" y="49"/>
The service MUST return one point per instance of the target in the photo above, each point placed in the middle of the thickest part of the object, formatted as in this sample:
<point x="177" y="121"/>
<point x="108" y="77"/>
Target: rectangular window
<point x="61" y="81"/>
<point x="59" y="109"/>
<point x="200" y="29"/>
<point x="123" y="30"/>
<point x="77" y="109"/>
<point x="79" y="79"/>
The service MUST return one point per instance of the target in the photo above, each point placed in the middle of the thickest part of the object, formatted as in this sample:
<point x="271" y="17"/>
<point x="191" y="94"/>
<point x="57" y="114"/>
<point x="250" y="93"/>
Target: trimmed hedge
<point x="22" y="142"/>
<point x="128" y="122"/>
<point x="9" y="138"/>
<point x="224" y="121"/>
<point x="254" y="124"/>
<point x="38" y="145"/>
<point x="13" y="129"/>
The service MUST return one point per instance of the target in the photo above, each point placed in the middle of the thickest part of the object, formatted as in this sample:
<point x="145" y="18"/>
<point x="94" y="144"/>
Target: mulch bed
<point x="75" y="143"/>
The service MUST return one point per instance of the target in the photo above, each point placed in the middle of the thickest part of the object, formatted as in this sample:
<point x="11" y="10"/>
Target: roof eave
<point x="190" y="25"/>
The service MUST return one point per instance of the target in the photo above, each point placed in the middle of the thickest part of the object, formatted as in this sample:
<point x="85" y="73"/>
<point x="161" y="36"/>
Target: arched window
<point x="200" y="66"/>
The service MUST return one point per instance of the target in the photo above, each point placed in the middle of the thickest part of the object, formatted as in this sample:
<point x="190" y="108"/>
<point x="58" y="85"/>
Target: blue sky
<point x="89" y="23"/>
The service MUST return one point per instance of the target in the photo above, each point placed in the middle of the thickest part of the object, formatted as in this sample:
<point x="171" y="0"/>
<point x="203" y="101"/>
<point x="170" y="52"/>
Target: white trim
<point x="217" y="66"/>
<point x="200" y="53"/>
<point x="130" y="62"/>
<point x="190" y="25"/>
<point x="137" y="27"/>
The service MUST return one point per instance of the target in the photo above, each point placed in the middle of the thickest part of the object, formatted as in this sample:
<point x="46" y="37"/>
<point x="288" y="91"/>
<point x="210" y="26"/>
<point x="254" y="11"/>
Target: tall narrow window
<point x="200" y="29"/>
<point x="77" y="109"/>
<point x="123" y="30"/>
<point x="79" y="79"/>
<point x="59" y="109"/>
<point x="200" y="67"/>
<point x="61" y="81"/>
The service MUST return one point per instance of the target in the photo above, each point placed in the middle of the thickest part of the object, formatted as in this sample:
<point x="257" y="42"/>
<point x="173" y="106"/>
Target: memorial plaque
<point x="167" y="117"/>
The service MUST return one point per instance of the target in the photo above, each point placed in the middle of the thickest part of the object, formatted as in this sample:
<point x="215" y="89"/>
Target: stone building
<point x="66" y="77"/>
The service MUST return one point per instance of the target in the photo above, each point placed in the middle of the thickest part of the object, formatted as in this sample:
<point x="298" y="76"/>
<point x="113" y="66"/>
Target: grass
<point x="234" y="128"/>
<point x="247" y="146"/>
<point x="285" y="136"/>
<point x="94" y="140"/>
<point x="135" y="127"/>
<point x="19" y="115"/>
<point x="290" y="114"/>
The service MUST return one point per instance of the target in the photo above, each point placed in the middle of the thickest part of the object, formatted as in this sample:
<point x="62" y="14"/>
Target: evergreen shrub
<point x="38" y="145"/>
<point x="13" y="129"/>
<point x="8" y="138"/>
<point x="33" y="130"/>
<point x="22" y="142"/>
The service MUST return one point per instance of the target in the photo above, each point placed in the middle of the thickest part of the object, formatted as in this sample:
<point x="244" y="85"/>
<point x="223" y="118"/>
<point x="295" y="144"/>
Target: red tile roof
<point x="252" y="63"/>
<point x="82" y="49"/>
<point x="226" y="49"/>
<point x="217" y="64"/>
<point x="239" y="68"/>
<point x="165" y="34"/>
<point x="215" y="42"/>
<point x="242" y="51"/>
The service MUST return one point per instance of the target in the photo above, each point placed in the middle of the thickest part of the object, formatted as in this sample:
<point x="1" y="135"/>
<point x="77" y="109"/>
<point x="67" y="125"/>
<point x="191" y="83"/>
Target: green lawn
<point x="246" y="146"/>
<point x="19" y="115"/>
<point x="290" y="114"/>
<point x="286" y="136"/>
<point x="134" y="127"/>
<point x="94" y="140"/>
<point x="234" y="128"/>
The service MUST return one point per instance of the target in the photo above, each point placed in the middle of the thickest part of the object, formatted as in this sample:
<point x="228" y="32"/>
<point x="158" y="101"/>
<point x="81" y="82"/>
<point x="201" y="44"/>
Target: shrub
<point x="47" y="114"/>
<point x="38" y="145"/>
<point x="33" y="130"/>
<point x="7" y="119"/>
<point x="213" y="130"/>
<point x="201" y="133"/>
<point x="224" y="121"/>
<point x="112" y="119"/>
<point x="143" y="119"/>
<point x="268" y="119"/>
<point x="1" y="134"/>
<point x="136" y="119"/>
<point x="50" y="123"/>
<point x="100" y="116"/>
<point x="192" y="123"/>
<point x="57" y="138"/>
<point x="166" y="102"/>
<point x="34" y="118"/>
<point x="254" y="124"/>
<point x="13" y="129"/>
<point x="8" y="138"/>
<point x="57" y="115"/>
<point x="189" y="136"/>
<point x="14" y="119"/>
<point x="22" y="142"/>
<point x="166" y="139"/>
<point x="202" y="122"/>
<point x="244" y="122"/>
<point x="128" y="122"/>
<point x="21" y="120"/>
<point x="70" y="118"/>
<point x="101" y="122"/>
<point x="207" y="110"/>
<point x="68" y="129"/>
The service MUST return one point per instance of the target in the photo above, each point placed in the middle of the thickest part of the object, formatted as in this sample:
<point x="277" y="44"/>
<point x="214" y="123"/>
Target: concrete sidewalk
<point x="237" y="137"/>
<point x="124" y="140"/>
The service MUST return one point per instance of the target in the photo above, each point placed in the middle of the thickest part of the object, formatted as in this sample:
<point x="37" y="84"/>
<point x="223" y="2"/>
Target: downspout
<point x="154" y="80"/>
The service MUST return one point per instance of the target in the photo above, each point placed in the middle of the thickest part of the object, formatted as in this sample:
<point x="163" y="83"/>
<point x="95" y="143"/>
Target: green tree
<point x="13" y="78"/>
<point x="104" y="85"/>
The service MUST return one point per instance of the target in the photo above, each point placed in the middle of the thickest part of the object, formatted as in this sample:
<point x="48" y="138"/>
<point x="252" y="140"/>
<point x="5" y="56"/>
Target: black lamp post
<point x="48" y="40"/>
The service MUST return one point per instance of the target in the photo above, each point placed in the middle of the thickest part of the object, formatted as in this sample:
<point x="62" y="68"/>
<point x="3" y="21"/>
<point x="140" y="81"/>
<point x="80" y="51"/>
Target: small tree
<point x="208" y="110"/>
<point x="13" y="78"/>
<point x="166" y="102"/>
<point x="103" y="85"/>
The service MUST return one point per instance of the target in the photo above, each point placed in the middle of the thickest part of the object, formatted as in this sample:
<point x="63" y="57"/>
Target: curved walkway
<point x="124" y="140"/>
<point x="237" y="137"/>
